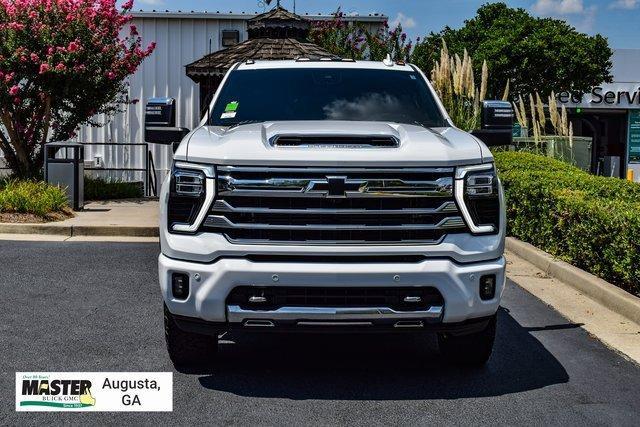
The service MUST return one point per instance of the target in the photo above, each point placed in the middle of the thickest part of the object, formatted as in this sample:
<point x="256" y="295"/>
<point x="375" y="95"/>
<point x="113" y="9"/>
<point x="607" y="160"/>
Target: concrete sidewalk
<point x="132" y="218"/>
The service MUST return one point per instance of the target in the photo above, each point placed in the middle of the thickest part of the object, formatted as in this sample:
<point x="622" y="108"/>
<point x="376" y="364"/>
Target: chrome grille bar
<point x="222" y="206"/>
<point x="223" y="222"/>
<point x="331" y="171"/>
<point x="314" y="187"/>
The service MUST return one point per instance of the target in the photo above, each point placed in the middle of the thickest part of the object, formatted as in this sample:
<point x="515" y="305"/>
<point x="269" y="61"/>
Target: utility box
<point x="64" y="167"/>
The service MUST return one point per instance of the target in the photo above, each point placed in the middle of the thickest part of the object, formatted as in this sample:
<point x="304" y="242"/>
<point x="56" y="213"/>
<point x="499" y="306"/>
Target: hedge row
<point x="31" y="197"/>
<point x="589" y="221"/>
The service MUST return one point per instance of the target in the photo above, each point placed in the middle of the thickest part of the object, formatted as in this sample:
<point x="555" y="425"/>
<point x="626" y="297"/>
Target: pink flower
<point x="111" y="75"/>
<point x="134" y="30"/>
<point x="14" y="90"/>
<point x="128" y="5"/>
<point x="17" y="100"/>
<point x="33" y="14"/>
<point x="34" y="57"/>
<point x="16" y="26"/>
<point x="44" y="68"/>
<point x="73" y="47"/>
<point x="51" y="50"/>
<point x="61" y="67"/>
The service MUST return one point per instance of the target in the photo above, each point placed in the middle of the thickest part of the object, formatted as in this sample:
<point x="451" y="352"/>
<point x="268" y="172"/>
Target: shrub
<point x="31" y="197"/>
<point x="100" y="189"/>
<point x="589" y="221"/>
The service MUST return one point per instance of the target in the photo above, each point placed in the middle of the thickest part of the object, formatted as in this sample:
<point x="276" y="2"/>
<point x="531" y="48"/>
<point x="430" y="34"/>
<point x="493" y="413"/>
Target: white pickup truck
<point x="331" y="196"/>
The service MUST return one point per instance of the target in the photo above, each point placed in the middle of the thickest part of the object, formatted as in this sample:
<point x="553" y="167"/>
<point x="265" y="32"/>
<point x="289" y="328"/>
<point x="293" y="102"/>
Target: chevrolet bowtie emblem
<point x="336" y="187"/>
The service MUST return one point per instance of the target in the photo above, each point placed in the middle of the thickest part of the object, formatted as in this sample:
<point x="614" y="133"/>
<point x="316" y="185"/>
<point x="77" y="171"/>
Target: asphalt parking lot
<point x="96" y="307"/>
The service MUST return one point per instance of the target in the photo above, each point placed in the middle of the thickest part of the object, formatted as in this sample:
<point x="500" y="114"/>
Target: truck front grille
<point x="334" y="206"/>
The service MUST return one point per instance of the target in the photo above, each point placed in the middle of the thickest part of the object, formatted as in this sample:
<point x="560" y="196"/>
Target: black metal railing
<point x="149" y="170"/>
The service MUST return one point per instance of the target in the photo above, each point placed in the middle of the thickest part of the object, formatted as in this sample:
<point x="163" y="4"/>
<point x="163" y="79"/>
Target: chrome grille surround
<point x="317" y="205"/>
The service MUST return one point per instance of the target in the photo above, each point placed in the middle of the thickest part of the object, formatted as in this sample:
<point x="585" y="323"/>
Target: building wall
<point x="610" y="113"/>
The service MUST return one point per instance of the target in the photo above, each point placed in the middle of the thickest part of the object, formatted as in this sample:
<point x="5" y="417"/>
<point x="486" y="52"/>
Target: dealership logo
<point x="56" y="393"/>
<point x="94" y="391"/>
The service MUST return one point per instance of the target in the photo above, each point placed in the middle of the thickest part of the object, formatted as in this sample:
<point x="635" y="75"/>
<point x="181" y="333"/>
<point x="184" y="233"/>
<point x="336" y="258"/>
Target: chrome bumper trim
<point x="235" y="314"/>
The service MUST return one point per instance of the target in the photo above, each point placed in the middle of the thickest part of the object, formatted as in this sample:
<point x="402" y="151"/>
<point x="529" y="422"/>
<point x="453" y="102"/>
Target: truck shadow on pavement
<point x="379" y="367"/>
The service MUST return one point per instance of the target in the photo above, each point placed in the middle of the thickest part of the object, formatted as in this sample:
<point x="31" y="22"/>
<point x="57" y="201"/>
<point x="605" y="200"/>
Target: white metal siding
<point x="179" y="42"/>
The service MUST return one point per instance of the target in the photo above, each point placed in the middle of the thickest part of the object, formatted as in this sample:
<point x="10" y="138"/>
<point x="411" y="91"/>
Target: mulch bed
<point x="20" y="218"/>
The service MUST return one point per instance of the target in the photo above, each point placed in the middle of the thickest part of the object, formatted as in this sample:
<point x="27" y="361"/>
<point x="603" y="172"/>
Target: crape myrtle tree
<point x="534" y="54"/>
<point x="61" y="63"/>
<point x="353" y="40"/>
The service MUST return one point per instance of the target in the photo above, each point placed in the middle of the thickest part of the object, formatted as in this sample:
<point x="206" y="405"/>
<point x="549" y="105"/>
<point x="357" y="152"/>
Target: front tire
<point x="187" y="349"/>
<point x="469" y="350"/>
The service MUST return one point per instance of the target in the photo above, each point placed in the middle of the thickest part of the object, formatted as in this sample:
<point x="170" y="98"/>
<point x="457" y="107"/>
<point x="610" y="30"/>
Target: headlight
<point x="191" y="192"/>
<point x="478" y="195"/>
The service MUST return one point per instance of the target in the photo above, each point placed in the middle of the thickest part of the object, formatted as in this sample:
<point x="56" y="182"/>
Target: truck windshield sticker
<point x="230" y="110"/>
<point x="232" y="106"/>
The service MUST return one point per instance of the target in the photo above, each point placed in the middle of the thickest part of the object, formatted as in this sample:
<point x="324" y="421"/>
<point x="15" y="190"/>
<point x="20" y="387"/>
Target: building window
<point x="230" y="38"/>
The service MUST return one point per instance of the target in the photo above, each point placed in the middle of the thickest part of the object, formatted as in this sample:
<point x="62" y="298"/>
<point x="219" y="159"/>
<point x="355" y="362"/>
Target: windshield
<point x="326" y="94"/>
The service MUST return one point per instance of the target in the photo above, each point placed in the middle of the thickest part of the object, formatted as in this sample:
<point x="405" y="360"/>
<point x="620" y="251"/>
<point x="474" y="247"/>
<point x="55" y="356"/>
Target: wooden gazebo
<point x="277" y="34"/>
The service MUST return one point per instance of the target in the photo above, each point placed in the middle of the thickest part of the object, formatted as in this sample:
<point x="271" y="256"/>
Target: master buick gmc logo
<point x="335" y="187"/>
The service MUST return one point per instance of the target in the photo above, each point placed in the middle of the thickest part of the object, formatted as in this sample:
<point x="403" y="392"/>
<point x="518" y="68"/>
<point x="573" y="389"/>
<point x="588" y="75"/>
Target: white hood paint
<point x="249" y="145"/>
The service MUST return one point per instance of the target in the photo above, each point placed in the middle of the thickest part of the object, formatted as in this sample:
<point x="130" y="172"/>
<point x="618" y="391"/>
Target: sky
<point x="618" y="20"/>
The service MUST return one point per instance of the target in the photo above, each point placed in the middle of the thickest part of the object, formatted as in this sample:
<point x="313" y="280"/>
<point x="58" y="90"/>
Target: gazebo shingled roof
<point x="277" y="34"/>
<point x="267" y="49"/>
<point x="280" y="20"/>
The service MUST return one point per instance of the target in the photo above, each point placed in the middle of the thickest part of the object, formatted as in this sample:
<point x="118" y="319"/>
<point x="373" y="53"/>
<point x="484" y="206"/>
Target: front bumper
<point x="210" y="284"/>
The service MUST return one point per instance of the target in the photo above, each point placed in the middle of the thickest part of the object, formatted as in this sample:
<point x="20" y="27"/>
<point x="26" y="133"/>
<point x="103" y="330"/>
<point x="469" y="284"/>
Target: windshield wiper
<point x="416" y="122"/>
<point x="244" y="122"/>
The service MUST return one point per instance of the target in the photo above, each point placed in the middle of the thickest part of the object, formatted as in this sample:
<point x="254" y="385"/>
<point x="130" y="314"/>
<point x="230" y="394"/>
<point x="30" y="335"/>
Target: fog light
<point x="488" y="287"/>
<point x="180" y="285"/>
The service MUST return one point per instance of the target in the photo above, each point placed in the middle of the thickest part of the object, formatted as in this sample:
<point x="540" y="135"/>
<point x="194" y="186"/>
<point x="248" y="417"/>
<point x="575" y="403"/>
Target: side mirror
<point x="160" y="122"/>
<point x="496" y="124"/>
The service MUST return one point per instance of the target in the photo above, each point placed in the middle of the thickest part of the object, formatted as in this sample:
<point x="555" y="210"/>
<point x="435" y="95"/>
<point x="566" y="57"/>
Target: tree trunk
<point x="16" y="152"/>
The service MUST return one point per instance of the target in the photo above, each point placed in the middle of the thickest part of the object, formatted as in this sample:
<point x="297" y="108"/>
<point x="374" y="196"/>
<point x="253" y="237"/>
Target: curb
<point x="79" y="230"/>
<point x="600" y="290"/>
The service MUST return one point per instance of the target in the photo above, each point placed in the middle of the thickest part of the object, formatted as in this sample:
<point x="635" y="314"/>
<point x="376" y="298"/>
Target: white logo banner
<point x="94" y="391"/>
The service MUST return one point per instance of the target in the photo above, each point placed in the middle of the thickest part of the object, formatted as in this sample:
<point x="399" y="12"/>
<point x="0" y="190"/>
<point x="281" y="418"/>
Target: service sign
<point x="94" y="391"/>
<point x="606" y="96"/>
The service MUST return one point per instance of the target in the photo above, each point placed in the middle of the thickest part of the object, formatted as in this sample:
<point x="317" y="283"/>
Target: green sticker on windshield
<point x="232" y="106"/>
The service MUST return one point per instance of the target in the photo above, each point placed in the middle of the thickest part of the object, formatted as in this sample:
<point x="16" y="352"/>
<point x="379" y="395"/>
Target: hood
<point x="251" y="144"/>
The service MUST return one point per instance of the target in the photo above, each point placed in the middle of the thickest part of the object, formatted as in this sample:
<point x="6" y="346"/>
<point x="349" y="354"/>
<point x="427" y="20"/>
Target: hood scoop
<point x="335" y="141"/>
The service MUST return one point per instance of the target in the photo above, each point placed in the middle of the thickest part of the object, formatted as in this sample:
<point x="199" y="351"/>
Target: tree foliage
<point x="61" y="63"/>
<point x="353" y="40"/>
<point x="534" y="54"/>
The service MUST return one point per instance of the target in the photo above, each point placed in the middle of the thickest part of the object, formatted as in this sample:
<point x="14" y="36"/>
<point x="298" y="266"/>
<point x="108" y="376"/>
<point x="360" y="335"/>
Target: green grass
<point x="100" y="189"/>
<point x="589" y="221"/>
<point x="31" y="197"/>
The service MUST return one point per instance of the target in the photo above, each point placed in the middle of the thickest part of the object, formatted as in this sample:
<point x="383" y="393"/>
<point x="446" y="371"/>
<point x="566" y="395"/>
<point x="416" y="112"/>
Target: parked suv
<point x="331" y="196"/>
